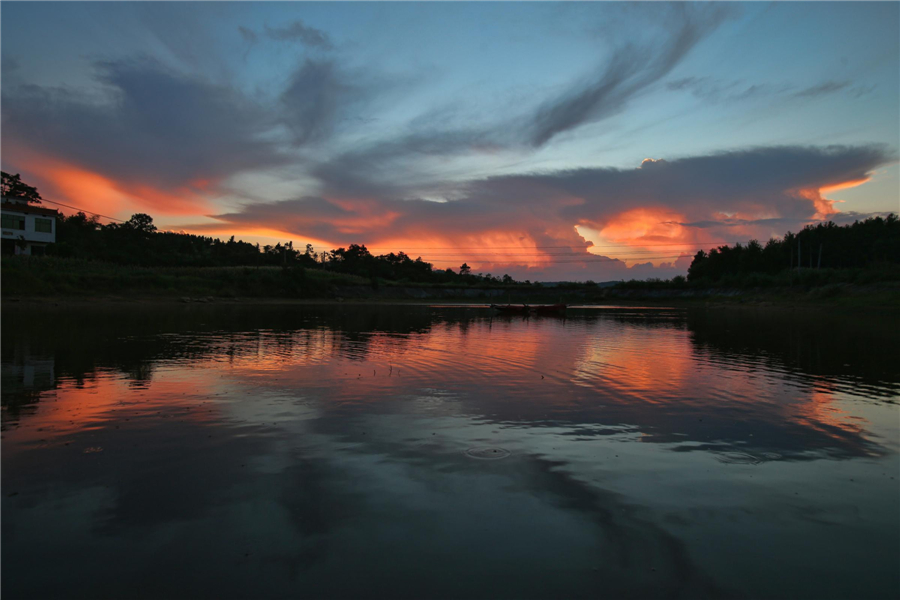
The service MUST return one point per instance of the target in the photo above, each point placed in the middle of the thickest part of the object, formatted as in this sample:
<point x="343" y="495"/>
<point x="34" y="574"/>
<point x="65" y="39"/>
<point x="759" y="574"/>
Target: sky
<point x="584" y="141"/>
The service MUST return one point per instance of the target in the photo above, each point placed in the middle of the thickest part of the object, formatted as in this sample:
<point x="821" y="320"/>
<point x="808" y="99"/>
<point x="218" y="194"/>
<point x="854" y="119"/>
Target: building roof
<point x="29" y="209"/>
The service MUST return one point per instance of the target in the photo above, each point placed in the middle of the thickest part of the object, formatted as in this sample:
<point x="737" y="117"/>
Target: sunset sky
<point x="548" y="141"/>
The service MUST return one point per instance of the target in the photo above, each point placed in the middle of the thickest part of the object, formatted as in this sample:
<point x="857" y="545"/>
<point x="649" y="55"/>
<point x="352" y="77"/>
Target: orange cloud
<point x="182" y="201"/>
<point x="483" y="251"/>
<point x="827" y="189"/>
<point x="361" y="215"/>
<point x="254" y="235"/>
<point x="86" y="190"/>
<point x="95" y="192"/>
<point x="649" y="234"/>
<point x="824" y="206"/>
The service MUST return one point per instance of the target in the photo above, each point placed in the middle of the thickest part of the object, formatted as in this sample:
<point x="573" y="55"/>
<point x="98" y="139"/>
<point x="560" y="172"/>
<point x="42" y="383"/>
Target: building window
<point x="13" y="222"/>
<point x="43" y="225"/>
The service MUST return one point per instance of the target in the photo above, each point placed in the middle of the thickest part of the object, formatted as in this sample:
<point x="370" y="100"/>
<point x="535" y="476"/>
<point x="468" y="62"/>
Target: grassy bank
<point x="51" y="276"/>
<point x="47" y="276"/>
<point x="74" y="279"/>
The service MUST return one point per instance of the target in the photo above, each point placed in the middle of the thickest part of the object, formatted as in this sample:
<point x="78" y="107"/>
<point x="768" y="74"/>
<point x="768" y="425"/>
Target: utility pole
<point x="819" y="266"/>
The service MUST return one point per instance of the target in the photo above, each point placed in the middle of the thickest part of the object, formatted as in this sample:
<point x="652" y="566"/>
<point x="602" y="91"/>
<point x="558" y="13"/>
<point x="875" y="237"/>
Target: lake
<point x="238" y="451"/>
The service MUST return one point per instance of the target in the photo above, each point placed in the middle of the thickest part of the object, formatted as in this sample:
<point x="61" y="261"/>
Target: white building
<point x="27" y="229"/>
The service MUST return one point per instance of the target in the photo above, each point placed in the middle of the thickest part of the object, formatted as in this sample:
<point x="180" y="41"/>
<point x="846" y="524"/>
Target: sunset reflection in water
<point x="232" y="451"/>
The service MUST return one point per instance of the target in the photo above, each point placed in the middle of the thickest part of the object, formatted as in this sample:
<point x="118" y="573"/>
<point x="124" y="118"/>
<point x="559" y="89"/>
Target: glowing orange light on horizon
<point x="94" y="192"/>
<point x="255" y="235"/>
<point x="651" y="231"/>
<point x="86" y="190"/>
<point x="487" y="250"/>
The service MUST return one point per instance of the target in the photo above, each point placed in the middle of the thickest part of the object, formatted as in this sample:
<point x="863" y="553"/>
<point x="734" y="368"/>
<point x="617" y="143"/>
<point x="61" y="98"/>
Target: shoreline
<point x="880" y="300"/>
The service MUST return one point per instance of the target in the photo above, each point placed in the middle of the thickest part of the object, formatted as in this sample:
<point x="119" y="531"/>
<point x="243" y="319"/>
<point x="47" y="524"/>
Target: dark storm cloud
<point x="301" y="33"/>
<point x="841" y="218"/>
<point x="745" y="180"/>
<point x="372" y="168"/>
<point x="545" y="207"/>
<point x="161" y="127"/>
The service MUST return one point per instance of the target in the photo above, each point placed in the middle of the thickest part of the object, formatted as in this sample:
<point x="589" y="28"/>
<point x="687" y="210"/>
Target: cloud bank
<point x="531" y="222"/>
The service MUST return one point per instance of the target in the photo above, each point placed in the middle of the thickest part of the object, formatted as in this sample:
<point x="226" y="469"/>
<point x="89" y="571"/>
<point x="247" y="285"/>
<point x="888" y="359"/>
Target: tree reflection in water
<point x="651" y="452"/>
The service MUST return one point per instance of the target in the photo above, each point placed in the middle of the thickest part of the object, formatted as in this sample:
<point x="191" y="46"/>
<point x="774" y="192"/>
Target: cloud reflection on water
<point x="298" y="442"/>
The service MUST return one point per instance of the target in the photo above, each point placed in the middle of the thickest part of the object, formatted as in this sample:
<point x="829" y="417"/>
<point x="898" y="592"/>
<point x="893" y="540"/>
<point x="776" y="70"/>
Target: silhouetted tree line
<point x="138" y="242"/>
<point x="869" y="243"/>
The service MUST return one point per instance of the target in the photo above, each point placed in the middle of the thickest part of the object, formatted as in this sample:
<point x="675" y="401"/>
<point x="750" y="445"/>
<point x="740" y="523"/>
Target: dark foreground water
<point x="424" y="452"/>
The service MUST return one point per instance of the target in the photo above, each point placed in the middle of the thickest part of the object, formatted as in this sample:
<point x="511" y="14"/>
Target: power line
<point x="541" y="247"/>
<point x="574" y="252"/>
<point x="82" y="210"/>
<point x="536" y="254"/>
<point x="483" y="256"/>
<point x="606" y="258"/>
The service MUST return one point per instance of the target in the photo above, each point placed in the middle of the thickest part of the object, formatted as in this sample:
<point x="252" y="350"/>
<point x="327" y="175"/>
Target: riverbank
<point x="861" y="298"/>
<point x="53" y="281"/>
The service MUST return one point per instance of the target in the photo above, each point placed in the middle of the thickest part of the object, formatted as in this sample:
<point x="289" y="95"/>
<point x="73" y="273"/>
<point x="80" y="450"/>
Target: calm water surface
<point x="413" y="452"/>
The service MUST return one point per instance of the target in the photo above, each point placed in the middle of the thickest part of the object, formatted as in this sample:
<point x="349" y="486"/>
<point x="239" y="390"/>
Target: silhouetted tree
<point x="140" y="222"/>
<point x="12" y="186"/>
